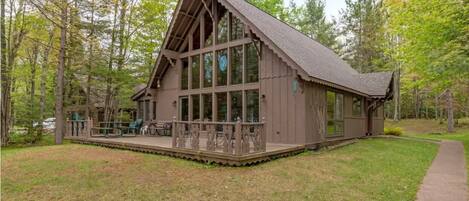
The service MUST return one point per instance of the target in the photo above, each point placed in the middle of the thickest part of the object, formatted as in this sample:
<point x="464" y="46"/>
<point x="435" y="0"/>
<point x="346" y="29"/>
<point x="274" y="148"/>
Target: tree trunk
<point x="90" y="63"/>
<point x="32" y="63"/>
<point x="44" y="68"/>
<point x="59" y="89"/>
<point x="9" y="49"/>
<point x="108" y="99"/>
<point x="449" y="103"/>
<point x="5" y="79"/>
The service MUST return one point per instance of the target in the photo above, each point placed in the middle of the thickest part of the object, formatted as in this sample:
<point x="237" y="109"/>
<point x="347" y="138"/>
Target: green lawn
<point x="372" y="169"/>
<point x="431" y="129"/>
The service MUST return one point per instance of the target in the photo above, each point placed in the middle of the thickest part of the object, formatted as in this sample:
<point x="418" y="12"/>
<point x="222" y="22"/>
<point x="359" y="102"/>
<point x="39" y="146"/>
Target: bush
<point x="396" y="131"/>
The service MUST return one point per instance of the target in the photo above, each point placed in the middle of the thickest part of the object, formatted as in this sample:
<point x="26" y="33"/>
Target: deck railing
<point x="78" y="128"/>
<point x="232" y="138"/>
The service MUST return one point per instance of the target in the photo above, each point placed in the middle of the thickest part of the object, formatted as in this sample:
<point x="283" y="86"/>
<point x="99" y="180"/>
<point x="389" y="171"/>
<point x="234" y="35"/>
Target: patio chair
<point x="133" y="128"/>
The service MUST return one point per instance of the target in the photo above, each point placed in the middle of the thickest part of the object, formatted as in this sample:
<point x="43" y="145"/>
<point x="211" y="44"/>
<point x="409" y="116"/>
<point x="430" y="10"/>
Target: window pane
<point x="222" y="107"/>
<point x="236" y="55"/>
<point x="335" y="115"/>
<point x="195" y="72"/>
<point x="147" y="110"/>
<point x="237" y="28"/>
<point x="184" y="108"/>
<point x="208" y="65"/>
<point x="339" y="127"/>
<point x="154" y="109"/>
<point x="208" y="30"/>
<point x="357" y="107"/>
<point x="222" y="25"/>
<point x="236" y="105"/>
<point x="339" y="106"/>
<point x="195" y="107"/>
<point x="330" y="105"/>
<point x="252" y="64"/>
<point x="222" y="67"/>
<point x="185" y="74"/>
<point x="252" y="106"/>
<point x="330" y="127"/>
<point x="207" y="101"/>
<point x="140" y="110"/>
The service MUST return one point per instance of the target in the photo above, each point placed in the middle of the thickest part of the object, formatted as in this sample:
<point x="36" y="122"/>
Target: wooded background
<point x="53" y="49"/>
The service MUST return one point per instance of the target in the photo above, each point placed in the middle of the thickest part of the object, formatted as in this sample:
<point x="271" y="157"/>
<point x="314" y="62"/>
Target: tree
<point x="362" y="25"/>
<point x="314" y="24"/>
<point x="273" y="7"/>
<point x="11" y="42"/>
<point x="59" y="89"/>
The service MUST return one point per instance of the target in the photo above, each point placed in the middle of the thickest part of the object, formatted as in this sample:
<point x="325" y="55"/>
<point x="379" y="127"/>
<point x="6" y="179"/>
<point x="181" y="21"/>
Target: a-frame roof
<point x="313" y="61"/>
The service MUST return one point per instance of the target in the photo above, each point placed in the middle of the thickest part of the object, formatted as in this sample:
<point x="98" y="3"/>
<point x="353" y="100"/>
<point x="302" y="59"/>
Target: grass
<point x="430" y="129"/>
<point x="371" y="169"/>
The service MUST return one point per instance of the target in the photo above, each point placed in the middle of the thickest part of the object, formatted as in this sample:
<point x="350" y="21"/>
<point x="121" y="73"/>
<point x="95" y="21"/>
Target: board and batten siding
<point x="282" y="106"/>
<point x="167" y="94"/>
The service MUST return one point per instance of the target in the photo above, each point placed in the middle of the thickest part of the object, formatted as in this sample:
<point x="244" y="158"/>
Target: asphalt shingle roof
<point x="315" y="59"/>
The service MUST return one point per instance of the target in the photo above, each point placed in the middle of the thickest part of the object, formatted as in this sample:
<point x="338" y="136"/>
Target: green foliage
<point x="396" y="131"/>
<point x="363" y="28"/>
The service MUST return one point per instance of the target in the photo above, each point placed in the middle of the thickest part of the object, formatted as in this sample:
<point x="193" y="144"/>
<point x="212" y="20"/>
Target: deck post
<point x="67" y="128"/>
<point x="238" y="135"/>
<point x="174" y="133"/>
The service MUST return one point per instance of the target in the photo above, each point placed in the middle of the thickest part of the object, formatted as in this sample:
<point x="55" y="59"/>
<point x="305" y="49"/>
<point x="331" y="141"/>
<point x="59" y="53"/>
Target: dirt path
<point x="446" y="178"/>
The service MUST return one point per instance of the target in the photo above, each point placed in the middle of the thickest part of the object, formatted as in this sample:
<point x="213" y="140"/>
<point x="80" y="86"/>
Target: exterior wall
<point x="378" y="122"/>
<point x="354" y="126"/>
<point x="166" y="95"/>
<point x="282" y="105"/>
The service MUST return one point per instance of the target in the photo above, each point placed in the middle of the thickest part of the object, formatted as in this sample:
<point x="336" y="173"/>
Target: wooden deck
<point x="162" y="145"/>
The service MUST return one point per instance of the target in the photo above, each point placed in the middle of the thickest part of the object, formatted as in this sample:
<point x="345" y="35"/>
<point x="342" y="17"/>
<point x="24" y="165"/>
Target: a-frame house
<point x="228" y="61"/>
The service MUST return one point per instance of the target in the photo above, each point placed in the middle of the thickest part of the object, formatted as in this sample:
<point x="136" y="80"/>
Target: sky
<point x="332" y="7"/>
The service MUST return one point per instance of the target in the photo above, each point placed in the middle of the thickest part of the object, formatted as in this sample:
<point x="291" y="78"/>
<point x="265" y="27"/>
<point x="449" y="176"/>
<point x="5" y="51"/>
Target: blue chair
<point x="134" y="127"/>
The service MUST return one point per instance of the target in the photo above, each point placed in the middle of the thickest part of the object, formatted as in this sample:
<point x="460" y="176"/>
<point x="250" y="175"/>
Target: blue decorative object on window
<point x="222" y="62"/>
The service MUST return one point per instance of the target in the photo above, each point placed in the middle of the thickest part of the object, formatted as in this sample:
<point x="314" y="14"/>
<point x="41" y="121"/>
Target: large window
<point x="236" y="105"/>
<point x="236" y="55"/>
<point x="208" y="30"/>
<point x="252" y="106"/>
<point x="335" y="116"/>
<point x="208" y="66"/>
<point x="357" y="106"/>
<point x="252" y="63"/>
<point x="196" y="39"/>
<point x="222" y="108"/>
<point x="147" y="110"/>
<point x="140" y="110"/>
<point x="207" y="104"/>
<point x="195" y="107"/>
<point x="185" y="74"/>
<point x="184" y="109"/>
<point x="237" y="28"/>
<point x="222" y="26"/>
<point x="195" y="72"/>
<point x="222" y="67"/>
<point x="154" y="109"/>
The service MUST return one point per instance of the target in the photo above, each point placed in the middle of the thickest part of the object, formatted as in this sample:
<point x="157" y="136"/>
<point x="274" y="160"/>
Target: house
<point x="76" y="110"/>
<point x="228" y="61"/>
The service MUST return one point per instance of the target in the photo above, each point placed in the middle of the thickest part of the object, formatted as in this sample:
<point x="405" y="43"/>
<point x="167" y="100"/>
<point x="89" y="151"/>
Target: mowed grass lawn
<point x="431" y="129"/>
<point x="372" y="169"/>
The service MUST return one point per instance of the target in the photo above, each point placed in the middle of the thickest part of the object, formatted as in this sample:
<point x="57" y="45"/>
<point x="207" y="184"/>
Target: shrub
<point x="396" y="131"/>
